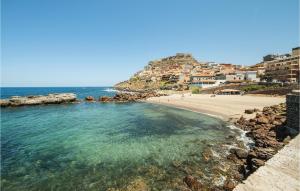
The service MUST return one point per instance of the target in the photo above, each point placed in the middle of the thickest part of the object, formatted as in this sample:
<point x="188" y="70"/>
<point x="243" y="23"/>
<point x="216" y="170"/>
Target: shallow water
<point x="95" y="146"/>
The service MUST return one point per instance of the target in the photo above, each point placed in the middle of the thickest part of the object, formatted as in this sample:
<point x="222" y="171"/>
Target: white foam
<point x="110" y="90"/>
<point x="246" y="140"/>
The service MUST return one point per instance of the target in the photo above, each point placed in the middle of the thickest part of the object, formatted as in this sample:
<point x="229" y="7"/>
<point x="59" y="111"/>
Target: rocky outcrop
<point x="161" y="74"/>
<point x="269" y="134"/>
<point x="129" y="97"/>
<point x="16" y="101"/>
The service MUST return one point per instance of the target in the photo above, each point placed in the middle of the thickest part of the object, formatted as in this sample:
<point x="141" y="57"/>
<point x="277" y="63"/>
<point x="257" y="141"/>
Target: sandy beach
<point x="222" y="106"/>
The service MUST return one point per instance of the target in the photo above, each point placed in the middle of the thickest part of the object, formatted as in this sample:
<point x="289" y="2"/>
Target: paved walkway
<point x="280" y="173"/>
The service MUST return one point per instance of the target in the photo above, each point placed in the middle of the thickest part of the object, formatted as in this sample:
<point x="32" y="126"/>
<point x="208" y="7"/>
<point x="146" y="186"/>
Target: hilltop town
<point x="183" y="72"/>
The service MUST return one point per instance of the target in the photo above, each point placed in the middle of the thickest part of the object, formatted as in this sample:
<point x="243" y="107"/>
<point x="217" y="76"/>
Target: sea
<point x="108" y="146"/>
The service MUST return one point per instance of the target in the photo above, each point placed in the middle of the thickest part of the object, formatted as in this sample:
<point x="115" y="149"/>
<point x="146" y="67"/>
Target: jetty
<point x="16" y="101"/>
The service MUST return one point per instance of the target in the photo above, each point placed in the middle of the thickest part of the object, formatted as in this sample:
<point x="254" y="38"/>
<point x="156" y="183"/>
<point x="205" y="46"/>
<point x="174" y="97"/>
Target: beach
<point x="225" y="107"/>
<point x="283" y="167"/>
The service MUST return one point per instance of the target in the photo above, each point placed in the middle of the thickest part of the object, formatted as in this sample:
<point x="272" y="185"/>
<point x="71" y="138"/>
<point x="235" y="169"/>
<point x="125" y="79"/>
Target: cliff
<point x="166" y="73"/>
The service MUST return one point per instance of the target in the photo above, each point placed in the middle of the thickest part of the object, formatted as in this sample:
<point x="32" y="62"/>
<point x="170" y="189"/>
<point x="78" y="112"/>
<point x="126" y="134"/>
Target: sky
<point x="102" y="42"/>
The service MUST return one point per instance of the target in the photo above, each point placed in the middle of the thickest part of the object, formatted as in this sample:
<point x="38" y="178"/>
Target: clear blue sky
<point x="101" y="42"/>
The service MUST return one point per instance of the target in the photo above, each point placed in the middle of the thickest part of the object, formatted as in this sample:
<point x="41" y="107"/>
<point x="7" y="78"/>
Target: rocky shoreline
<point x="267" y="130"/>
<point x="126" y="97"/>
<point x="16" y="101"/>
<point x="269" y="133"/>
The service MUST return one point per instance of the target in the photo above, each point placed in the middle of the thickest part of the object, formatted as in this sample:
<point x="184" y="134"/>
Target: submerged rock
<point x="207" y="154"/>
<point x="16" y="101"/>
<point x="228" y="185"/>
<point x="193" y="183"/>
<point x="137" y="185"/>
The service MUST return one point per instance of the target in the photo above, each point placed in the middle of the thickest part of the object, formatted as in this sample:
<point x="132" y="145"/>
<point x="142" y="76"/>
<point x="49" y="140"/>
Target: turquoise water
<point x="95" y="146"/>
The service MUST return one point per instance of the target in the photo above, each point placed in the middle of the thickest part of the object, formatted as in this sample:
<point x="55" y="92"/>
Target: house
<point x="283" y="68"/>
<point x="235" y="78"/>
<point x="205" y="80"/>
<point x="251" y="76"/>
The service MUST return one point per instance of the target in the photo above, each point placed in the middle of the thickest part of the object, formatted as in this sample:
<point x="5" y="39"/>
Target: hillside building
<point x="283" y="68"/>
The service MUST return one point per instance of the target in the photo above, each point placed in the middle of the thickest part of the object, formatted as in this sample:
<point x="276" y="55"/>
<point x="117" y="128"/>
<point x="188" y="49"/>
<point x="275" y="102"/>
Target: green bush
<point x="196" y="90"/>
<point x="252" y="88"/>
<point x="258" y="87"/>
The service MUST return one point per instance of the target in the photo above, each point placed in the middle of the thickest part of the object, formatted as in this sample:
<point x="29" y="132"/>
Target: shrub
<point x="196" y="90"/>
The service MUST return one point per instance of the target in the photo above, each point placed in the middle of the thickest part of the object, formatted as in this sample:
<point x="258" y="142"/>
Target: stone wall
<point x="292" y="106"/>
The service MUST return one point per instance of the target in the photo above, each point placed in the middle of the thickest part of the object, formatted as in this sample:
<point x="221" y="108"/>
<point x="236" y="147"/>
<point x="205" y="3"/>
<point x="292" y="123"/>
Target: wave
<point x="248" y="142"/>
<point x="110" y="90"/>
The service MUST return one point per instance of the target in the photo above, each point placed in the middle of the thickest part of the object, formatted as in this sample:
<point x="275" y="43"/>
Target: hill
<point x="167" y="73"/>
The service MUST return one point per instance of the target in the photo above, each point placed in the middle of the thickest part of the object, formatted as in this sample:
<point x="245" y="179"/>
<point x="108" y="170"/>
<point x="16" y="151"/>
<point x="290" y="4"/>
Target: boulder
<point x="262" y="120"/>
<point x="89" y="98"/>
<point x="241" y="154"/>
<point x="193" y="183"/>
<point x="257" y="162"/>
<point x="228" y="185"/>
<point x="249" y="111"/>
<point x="105" y="99"/>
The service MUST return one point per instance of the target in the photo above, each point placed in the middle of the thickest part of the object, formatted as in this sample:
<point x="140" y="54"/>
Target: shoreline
<point x="260" y="125"/>
<point x="223" y="107"/>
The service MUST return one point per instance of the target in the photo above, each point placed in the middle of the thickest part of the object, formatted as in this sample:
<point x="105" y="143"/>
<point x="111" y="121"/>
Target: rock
<point x="249" y="111"/>
<point x="192" y="183"/>
<point x="104" y="99"/>
<point x="16" y="101"/>
<point x="256" y="110"/>
<point x="262" y="120"/>
<point x="228" y="185"/>
<point x="275" y="122"/>
<point x="240" y="153"/>
<point x="137" y="185"/>
<point x="287" y="140"/>
<point x="129" y="97"/>
<point x="4" y="102"/>
<point x="257" y="162"/>
<point x="89" y="98"/>
<point x="176" y="163"/>
<point x="252" y="154"/>
<point x="207" y="154"/>
<point x="268" y="133"/>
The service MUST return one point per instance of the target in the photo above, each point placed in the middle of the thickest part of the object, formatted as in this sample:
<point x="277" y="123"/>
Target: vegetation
<point x="196" y="90"/>
<point x="134" y="79"/>
<point x="255" y="87"/>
